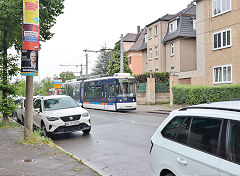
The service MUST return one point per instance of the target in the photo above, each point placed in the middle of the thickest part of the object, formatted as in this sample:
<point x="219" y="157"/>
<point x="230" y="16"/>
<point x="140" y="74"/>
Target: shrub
<point x="191" y="94"/>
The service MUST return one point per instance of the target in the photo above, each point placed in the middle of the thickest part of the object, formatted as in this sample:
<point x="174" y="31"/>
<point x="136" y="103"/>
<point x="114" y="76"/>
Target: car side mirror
<point x="37" y="110"/>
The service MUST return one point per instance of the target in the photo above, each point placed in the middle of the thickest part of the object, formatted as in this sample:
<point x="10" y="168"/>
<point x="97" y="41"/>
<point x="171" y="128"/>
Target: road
<point x="118" y="144"/>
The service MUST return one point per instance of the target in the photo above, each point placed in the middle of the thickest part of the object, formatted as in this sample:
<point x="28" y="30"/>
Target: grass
<point x="162" y="102"/>
<point x="11" y="124"/>
<point x="37" y="138"/>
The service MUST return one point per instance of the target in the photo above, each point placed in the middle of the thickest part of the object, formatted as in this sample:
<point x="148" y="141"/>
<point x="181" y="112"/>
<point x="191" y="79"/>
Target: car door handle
<point x="182" y="161"/>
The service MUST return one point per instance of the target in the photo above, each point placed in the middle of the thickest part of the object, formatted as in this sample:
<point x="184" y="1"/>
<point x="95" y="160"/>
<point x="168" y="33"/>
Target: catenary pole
<point x="121" y="57"/>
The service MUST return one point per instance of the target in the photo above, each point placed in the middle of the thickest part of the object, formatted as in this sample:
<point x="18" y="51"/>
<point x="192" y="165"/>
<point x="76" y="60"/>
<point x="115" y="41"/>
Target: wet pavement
<point x="21" y="159"/>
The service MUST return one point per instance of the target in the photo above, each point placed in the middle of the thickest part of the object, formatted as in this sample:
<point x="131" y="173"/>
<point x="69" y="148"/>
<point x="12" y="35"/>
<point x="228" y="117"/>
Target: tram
<point x="108" y="93"/>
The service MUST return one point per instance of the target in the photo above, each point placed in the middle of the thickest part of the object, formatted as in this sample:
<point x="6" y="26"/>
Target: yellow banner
<point x="31" y="12"/>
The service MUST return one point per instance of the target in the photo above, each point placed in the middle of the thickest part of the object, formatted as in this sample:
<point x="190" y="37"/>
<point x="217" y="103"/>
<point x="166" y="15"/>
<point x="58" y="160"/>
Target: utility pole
<point x="28" y="121"/>
<point x="121" y="57"/>
<point x="87" y="58"/>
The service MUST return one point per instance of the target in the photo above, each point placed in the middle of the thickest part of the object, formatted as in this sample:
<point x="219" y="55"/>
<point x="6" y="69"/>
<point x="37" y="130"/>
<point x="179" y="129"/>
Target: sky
<point x="92" y="24"/>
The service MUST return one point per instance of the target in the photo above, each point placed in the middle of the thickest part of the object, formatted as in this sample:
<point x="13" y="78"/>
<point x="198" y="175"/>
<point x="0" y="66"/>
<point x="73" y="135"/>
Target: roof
<point x="166" y="17"/>
<point x="140" y="44"/>
<point x="184" y="24"/>
<point x="130" y="37"/>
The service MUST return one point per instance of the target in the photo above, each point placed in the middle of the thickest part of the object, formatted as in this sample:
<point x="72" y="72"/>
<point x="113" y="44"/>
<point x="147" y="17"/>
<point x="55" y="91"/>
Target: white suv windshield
<point x="59" y="103"/>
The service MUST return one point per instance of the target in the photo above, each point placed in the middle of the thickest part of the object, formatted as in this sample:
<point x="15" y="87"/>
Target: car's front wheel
<point x="86" y="131"/>
<point x="44" y="131"/>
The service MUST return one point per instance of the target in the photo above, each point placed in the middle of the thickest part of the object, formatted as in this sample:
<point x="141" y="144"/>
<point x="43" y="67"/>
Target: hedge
<point x="159" y="77"/>
<point x="190" y="94"/>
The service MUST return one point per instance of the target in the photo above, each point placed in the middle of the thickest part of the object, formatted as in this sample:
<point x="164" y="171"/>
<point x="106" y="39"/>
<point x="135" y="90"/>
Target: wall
<point x="188" y="61"/>
<point x="136" y="62"/>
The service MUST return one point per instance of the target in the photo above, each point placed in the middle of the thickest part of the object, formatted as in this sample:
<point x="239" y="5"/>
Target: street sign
<point x="58" y="83"/>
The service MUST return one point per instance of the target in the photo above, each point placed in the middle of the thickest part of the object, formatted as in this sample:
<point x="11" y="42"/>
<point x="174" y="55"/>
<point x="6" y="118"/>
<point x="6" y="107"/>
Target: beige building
<point x="155" y="58"/>
<point x="218" y="42"/>
<point x="180" y="42"/>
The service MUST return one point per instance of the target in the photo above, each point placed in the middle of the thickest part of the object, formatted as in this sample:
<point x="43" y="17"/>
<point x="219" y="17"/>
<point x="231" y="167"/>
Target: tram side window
<point x="91" y="91"/>
<point x="98" y="91"/>
<point x="111" y="90"/>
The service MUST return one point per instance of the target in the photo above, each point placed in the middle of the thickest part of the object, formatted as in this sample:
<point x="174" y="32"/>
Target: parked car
<point x="20" y="111"/>
<point x="198" y="140"/>
<point x="60" y="114"/>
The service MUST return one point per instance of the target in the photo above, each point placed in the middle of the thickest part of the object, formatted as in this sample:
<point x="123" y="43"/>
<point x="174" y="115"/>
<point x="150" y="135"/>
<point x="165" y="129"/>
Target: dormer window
<point x="194" y="24"/>
<point x="173" y="26"/>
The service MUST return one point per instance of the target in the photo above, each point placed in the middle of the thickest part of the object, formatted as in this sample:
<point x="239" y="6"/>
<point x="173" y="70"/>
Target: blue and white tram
<point x="108" y="93"/>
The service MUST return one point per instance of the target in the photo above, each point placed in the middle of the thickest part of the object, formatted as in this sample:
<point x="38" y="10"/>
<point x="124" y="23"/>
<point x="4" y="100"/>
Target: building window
<point x="172" y="48"/>
<point x="222" y="39"/>
<point x="156" y="30"/>
<point x="194" y="24"/>
<point x="150" y="33"/>
<point x="150" y="54"/>
<point x="173" y="26"/>
<point x="156" y="70"/>
<point x="145" y="38"/>
<point x="156" y="52"/>
<point x="222" y="74"/>
<point x="130" y="60"/>
<point x="221" y="6"/>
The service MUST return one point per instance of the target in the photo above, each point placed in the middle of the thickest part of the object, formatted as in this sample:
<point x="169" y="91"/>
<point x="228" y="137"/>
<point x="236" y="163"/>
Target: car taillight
<point x="151" y="146"/>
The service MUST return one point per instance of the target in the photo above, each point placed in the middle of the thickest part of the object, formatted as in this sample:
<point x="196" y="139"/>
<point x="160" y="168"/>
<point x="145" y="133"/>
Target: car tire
<point x="169" y="174"/>
<point x="18" y="120"/>
<point x="44" y="131"/>
<point x="86" y="131"/>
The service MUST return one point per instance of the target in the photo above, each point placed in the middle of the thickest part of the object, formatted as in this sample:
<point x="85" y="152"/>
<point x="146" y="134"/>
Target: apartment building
<point x="218" y="41"/>
<point x="180" y="41"/>
<point x="137" y="53"/>
<point x="155" y="60"/>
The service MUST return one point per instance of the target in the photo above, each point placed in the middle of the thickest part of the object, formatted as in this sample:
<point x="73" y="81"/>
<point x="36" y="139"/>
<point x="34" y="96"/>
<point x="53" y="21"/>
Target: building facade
<point x="218" y="41"/>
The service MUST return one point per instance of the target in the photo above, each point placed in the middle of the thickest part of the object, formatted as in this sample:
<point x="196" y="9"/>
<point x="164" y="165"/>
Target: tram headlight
<point x="133" y="100"/>
<point x="120" y="100"/>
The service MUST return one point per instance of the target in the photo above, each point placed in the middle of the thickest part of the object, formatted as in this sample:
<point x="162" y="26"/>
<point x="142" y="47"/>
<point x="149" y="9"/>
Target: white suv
<point x="60" y="114"/>
<point x="198" y="140"/>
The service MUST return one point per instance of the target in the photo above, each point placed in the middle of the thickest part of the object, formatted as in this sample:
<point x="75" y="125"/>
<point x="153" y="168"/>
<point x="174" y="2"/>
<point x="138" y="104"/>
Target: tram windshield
<point x="126" y="88"/>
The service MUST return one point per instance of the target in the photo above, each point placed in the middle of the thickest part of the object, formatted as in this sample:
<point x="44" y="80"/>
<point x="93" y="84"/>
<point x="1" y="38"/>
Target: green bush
<point x="190" y="94"/>
<point x="159" y="77"/>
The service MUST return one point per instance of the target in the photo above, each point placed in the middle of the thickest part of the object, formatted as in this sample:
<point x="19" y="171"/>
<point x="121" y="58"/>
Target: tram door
<point x="104" y="100"/>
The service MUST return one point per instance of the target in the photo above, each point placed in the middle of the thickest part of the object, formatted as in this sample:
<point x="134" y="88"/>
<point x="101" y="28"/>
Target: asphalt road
<point x="118" y="144"/>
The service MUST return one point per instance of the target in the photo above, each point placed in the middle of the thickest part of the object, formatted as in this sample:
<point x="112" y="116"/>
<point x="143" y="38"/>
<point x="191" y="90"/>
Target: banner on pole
<point x="31" y="12"/>
<point x="29" y="63"/>
<point x="31" y="37"/>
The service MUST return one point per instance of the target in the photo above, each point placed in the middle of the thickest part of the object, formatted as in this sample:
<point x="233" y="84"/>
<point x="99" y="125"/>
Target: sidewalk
<point x="19" y="159"/>
<point x="160" y="109"/>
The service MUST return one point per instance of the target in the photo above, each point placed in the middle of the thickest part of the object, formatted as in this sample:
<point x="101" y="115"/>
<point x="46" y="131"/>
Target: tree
<point x="67" y="76"/>
<point x="102" y="62"/>
<point x="11" y="17"/>
<point x="46" y="84"/>
<point x="114" y="62"/>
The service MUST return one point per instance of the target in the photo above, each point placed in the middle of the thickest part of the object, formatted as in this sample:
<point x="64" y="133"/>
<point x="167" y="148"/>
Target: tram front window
<point x="126" y="88"/>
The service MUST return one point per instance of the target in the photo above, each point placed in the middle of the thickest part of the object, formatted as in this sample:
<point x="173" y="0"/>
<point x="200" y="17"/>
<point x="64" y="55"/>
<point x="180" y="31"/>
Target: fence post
<point x="150" y="93"/>
<point x="173" y="81"/>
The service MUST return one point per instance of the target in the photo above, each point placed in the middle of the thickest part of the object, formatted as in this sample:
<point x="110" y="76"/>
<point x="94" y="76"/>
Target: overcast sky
<point x="91" y="24"/>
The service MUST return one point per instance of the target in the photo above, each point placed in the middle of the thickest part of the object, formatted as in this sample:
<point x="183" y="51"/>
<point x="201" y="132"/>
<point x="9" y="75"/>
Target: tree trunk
<point x="4" y="73"/>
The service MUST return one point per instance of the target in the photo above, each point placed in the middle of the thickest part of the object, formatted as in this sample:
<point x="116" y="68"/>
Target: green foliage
<point x="21" y="87"/>
<point x="101" y="66"/>
<point x="11" y="124"/>
<point x="37" y="138"/>
<point x="189" y="94"/>
<point x="46" y="84"/>
<point x="11" y="17"/>
<point x="67" y="76"/>
<point x="114" y="62"/>
<point x="159" y="77"/>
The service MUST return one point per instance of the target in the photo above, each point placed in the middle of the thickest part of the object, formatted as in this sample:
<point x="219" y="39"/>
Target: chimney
<point x="138" y="29"/>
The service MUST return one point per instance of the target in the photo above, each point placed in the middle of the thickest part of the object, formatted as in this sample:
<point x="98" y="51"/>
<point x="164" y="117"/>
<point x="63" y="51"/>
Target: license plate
<point x="71" y="123"/>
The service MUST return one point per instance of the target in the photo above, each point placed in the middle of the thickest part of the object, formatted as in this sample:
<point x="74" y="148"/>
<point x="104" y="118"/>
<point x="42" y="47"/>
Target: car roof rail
<point x="207" y="107"/>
